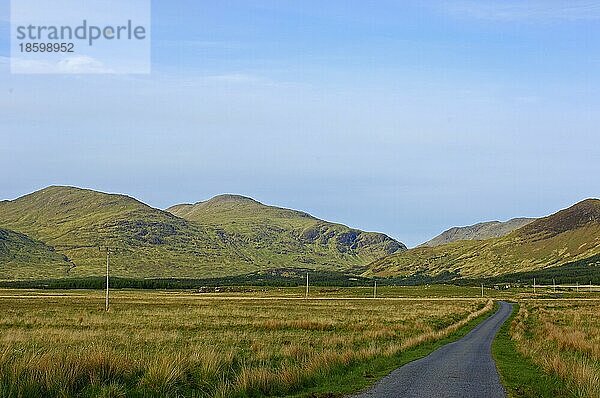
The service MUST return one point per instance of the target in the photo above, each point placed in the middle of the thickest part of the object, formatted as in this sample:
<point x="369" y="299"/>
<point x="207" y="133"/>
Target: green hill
<point x="565" y="236"/>
<point x="21" y="256"/>
<point x="149" y="242"/>
<point x="278" y="232"/>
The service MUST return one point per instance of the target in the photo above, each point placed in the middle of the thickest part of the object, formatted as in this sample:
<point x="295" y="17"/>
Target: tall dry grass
<point x="167" y="346"/>
<point x="564" y="339"/>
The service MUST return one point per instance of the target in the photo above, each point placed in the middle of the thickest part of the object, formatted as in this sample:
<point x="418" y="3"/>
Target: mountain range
<point x="64" y="231"/>
<point x="568" y="235"/>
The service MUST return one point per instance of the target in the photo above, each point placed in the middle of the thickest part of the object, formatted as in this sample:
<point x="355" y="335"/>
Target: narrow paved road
<point x="463" y="369"/>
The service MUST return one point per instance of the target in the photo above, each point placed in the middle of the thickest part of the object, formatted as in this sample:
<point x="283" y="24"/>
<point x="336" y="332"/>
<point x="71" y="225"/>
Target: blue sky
<point x="396" y="116"/>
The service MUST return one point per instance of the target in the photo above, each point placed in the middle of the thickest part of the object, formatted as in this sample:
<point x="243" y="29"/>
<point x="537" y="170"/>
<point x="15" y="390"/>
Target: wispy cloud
<point x="82" y="64"/>
<point x="71" y="65"/>
<point x="535" y="10"/>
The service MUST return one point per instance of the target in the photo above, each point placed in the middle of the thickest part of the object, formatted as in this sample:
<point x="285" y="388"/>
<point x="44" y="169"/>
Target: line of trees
<point x="582" y="272"/>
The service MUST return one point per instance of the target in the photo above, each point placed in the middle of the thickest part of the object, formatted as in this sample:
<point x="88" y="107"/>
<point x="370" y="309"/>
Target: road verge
<point x="519" y="375"/>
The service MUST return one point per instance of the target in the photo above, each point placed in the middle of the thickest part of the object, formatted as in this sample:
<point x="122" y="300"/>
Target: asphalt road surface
<point x="463" y="369"/>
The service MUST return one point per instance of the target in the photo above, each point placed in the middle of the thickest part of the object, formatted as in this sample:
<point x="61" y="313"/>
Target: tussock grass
<point x="563" y="338"/>
<point x="156" y="345"/>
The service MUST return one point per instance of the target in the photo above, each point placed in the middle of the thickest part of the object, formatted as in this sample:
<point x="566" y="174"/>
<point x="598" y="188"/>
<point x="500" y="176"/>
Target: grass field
<point x="563" y="339"/>
<point x="176" y="344"/>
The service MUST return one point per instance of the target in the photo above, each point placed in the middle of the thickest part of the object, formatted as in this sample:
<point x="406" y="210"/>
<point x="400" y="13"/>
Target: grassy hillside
<point x="153" y="243"/>
<point x="584" y="271"/>
<point x="568" y="235"/>
<point x="21" y="256"/>
<point x="480" y="231"/>
<point x="284" y="230"/>
<point x="77" y="222"/>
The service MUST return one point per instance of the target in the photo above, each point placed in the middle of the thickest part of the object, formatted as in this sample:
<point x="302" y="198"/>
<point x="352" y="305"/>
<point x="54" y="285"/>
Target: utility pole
<point x="533" y="285"/>
<point x="106" y="306"/>
<point x="482" y="290"/>
<point x="107" y="272"/>
<point x="306" y="284"/>
<point x="554" y="284"/>
<point x="577" y="286"/>
<point x="375" y="289"/>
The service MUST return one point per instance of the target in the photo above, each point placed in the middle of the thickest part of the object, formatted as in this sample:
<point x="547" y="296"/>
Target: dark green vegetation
<point x="318" y="288"/>
<point x="520" y="376"/>
<point x="581" y="271"/>
<point x="275" y="278"/>
<point x="228" y="235"/>
<point x="568" y="235"/>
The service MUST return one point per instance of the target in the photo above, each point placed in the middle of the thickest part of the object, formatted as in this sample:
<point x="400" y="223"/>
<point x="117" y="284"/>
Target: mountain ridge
<point x="247" y="215"/>
<point x="63" y="228"/>
<point x="150" y="242"/>
<point x="479" y="231"/>
<point x="537" y="245"/>
<point x="224" y="202"/>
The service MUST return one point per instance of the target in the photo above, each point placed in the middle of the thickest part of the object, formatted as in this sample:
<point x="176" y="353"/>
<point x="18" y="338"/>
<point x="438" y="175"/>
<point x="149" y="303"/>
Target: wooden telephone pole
<point x="307" y="284"/>
<point x="107" y="273"/>
<point x="108" y="250"/>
